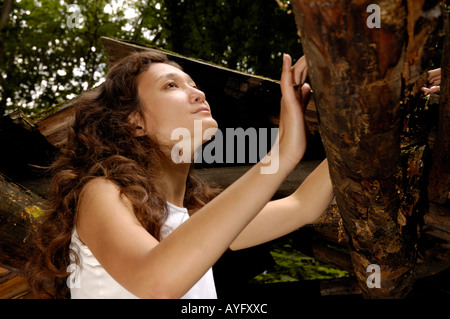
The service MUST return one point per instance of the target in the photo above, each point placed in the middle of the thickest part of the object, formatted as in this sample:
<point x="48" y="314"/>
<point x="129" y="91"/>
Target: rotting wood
<point x="18" y="208"/>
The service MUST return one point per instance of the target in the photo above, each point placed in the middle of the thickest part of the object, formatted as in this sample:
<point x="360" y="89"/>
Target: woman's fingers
<point x="431" y="90"/>
<point x="434" y="80"/>
<point x="292" y="129"/>
<point x="306" y="95"/>
<point x="286" y="82"/>
<point x="300" y="71"/>
<point x="434" y="77"/>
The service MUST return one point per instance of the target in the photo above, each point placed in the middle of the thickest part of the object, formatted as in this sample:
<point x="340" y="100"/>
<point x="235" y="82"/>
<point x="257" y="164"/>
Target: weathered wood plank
<point x="55" y="127"/>
<point x="13" y="286"/>
<point x="225" y="176"/>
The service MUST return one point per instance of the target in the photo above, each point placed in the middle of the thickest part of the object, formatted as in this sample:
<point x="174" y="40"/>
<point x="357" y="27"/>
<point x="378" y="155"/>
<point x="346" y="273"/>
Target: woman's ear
<point x="139" y="131"/>
<point x="137" y="124"/>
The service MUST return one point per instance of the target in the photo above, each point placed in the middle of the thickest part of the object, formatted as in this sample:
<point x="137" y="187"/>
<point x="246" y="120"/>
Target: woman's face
<point x="171" y="101"/>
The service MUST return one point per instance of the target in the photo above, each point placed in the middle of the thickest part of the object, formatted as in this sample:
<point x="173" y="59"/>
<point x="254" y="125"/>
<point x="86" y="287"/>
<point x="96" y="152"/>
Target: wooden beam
<point x="24" y="149"/>
<point x="225" y="176"/>
<point x="18" y="209"/>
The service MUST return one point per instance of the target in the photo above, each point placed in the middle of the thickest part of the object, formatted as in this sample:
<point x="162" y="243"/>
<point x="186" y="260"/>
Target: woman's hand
<point x="434" y="81"/>
<point x="295" y="96"/>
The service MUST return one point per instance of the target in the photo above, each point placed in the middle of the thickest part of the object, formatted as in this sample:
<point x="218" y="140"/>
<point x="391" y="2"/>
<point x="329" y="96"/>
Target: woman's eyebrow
<point x="172" y="75"/>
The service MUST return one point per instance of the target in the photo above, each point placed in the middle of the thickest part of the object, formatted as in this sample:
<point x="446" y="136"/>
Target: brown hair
<point x="102" y="144"/>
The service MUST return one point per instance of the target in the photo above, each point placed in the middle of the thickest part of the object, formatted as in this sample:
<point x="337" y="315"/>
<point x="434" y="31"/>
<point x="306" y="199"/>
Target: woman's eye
<point x="171" y="85"/>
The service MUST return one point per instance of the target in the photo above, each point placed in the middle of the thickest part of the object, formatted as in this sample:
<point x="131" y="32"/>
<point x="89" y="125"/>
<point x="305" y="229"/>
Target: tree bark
<point x="358" y="75"/>
<point x="4" y="18"/>
<point x="439" y="181"/>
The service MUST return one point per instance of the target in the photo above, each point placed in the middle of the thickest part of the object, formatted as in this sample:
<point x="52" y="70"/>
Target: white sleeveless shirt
<point x="90" y="280"/>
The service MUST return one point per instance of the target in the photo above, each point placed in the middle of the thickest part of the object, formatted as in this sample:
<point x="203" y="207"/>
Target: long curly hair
<point x="102" y="144"/>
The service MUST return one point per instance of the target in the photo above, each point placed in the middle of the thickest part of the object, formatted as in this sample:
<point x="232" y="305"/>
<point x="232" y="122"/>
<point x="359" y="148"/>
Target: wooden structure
<point x="33" y="143"/>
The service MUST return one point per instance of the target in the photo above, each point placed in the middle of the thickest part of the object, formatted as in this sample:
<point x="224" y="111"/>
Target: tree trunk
<point x="439" y="181"/>
<point x="4" y="18"/>
<point x="359" y="73"/>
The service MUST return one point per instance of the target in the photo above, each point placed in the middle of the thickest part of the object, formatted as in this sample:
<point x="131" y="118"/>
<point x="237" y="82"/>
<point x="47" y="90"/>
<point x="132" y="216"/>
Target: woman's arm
<point x="168" y="269"/>
<point x="280" y="217"/>
<point x="305" y="205"/>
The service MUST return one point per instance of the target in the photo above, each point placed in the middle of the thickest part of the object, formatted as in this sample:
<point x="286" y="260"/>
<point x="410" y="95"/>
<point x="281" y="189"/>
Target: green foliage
<point x="44" y="60"/>
<point x="48" y="56"/>
<point x="245" y="35"/>
<point x="292" y="265"/>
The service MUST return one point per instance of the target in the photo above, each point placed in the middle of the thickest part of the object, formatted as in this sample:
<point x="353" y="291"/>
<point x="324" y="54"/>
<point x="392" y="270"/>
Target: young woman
<point x="127" y="222"/>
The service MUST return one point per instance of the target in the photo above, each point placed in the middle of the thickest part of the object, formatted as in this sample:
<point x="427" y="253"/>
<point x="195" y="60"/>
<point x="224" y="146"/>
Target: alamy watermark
<point x="374" y="279"/>
<point x="74" y="279"/>
<point x="235" y="148"/>
<point x="374" y="19"/>
<point x="75" y="18"/>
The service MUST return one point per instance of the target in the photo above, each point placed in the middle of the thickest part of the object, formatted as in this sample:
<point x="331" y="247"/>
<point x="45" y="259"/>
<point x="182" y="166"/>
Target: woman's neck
<point x="173" y="177"/>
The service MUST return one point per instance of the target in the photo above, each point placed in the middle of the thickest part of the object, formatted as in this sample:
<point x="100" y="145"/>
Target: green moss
<point x="35" y="211"/>
<point x="292" y="265"/>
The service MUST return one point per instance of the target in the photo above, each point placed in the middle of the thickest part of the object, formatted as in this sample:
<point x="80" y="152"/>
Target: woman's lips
<point x="202" y="109"/>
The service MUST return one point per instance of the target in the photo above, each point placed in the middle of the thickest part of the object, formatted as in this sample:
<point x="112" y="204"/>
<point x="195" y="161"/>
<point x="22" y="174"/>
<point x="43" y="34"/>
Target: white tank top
<point x="90" y="280"/>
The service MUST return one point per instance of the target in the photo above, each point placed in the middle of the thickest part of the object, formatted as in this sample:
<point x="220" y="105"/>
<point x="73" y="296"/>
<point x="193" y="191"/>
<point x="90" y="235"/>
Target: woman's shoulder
<point x="101" y="208"/>
<point x="100" y="187"/>
<point x="99" y="184"/>
<point x="101" y="192"/>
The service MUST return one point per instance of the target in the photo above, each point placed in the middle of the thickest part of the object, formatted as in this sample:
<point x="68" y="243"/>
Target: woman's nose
<point x="197" y="96"/>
